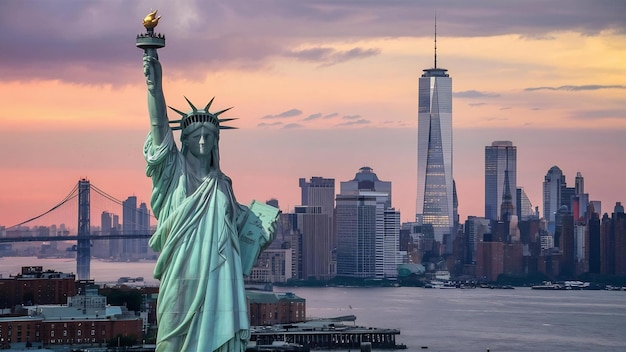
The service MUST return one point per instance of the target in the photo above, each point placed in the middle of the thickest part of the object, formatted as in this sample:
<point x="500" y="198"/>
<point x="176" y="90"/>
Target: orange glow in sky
<point x="319" y="90"/>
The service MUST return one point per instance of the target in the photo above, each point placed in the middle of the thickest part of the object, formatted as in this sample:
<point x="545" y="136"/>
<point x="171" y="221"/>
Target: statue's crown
<point x="201" y="116"/>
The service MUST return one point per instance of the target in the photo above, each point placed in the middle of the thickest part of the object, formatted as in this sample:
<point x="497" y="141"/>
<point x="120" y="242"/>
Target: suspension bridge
<point x="130" y="238"/>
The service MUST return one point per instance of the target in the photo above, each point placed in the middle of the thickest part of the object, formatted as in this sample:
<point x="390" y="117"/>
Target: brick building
<point x="269" y="308"/>
<point x="22" y="331"/>
<point x="35" y="286"/>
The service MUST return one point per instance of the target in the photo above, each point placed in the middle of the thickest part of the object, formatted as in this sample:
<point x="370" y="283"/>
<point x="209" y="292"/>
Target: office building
<point x="367" y="180"/>
<point x="314" y="242"/>
<point x="317" y="192"/>
<point x="143" y="226"/>
<point x="475" y="230"/>
<point x="356" y="235"/>
<point x="392" y="255"/>
<point x="129" y="225"/>
<point x="524" y="207"/>
<point x="387" y="220"/>
<point x="500" y="172"/>
<point x="434" y="204"/>
<point x="553" y="184"/>
<point x="135" y="220"/>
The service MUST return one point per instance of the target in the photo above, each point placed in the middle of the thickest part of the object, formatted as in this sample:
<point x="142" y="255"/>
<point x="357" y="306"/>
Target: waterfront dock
<point x="327" y="334"/>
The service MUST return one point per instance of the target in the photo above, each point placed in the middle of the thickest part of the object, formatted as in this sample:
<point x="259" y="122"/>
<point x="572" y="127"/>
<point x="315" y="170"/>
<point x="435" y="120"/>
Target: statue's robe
<point x="201" y="304"/>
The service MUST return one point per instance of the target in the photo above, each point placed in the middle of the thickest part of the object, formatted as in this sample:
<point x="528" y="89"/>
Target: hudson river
<point x="440" y="319"/>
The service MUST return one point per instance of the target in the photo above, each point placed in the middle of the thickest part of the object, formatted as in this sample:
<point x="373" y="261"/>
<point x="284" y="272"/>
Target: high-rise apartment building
<point x="500" y="172"/>
<point x="434" y="203"/>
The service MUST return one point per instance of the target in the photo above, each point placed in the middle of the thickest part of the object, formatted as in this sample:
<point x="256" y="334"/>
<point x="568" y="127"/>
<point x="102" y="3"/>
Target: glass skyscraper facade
<point x="553" y="184"/>
<point x="500" y="158"/>
<point x="434" y="203"/>
<point x="356" y="234"/>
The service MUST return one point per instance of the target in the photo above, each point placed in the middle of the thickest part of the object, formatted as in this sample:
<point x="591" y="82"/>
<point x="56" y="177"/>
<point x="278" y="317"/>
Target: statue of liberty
<point x="206" y="239"/>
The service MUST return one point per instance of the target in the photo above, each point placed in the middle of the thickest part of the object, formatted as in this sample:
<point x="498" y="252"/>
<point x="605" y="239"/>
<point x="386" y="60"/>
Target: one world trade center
<point x="435" y="186"/>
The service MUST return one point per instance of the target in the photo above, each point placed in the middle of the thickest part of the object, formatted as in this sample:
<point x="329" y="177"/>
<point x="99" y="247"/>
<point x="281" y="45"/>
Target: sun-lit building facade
<point x="434" y="203"/>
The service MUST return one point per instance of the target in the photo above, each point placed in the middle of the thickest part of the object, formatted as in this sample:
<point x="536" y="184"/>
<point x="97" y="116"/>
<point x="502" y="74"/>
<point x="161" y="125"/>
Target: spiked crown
<point x="201" y="116"/>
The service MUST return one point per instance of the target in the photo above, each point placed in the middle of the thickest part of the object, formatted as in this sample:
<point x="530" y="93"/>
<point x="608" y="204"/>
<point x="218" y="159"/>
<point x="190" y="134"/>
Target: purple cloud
<point x="474" y="94"/>
<point x="355" y="122"/>
<point x="578" y="88"/>
<point x="312" y="117"/>
<point x="328" y="56"/>
<point x="89" y="42"/>
<point x="598" y="114"/>
<point x="265" y="124"/>
<point x="284" y="114"/>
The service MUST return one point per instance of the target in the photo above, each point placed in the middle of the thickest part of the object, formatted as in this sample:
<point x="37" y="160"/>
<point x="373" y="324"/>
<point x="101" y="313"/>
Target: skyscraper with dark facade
<point x="500" y="172"/>
<point x="435" y="204"/>
<point x="135" y="220"/>
<point x="356" y="234"/>
<point x="143" y="226"/>
<point x="318" y="202"/>
<point x="129" y="224"/>
<point x="367" y="180"/>
<point x="314" y="242"/>
<point x="367" y="187"/>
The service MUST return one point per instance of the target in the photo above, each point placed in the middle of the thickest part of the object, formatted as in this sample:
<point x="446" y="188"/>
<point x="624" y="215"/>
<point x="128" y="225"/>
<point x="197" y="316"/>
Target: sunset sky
<point x="321" y="88"/>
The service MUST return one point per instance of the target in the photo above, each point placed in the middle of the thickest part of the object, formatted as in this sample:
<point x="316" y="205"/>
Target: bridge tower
<point x="83" y="248"/>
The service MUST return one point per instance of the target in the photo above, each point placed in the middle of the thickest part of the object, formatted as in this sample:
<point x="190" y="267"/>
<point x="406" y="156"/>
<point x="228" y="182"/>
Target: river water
<point x="439" y="320"/>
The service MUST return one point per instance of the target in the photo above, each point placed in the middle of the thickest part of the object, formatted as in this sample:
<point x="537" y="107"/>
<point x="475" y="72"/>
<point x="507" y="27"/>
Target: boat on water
<point x="278" y="346"/>
<point x="440" y="284"/>
<point x="547" y="285"/>
<point x="576" y="285"/>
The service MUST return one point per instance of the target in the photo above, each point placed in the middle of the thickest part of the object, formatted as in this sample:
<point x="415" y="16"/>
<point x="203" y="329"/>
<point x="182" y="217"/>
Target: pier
<point x="327" y="334"/>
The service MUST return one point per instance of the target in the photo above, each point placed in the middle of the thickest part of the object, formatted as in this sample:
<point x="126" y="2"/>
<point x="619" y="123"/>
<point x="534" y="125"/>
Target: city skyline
<point x="321" y="89"/>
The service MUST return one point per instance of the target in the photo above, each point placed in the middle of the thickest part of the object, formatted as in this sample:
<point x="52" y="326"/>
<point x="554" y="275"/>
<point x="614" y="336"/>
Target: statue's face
<point x="200" y="142"/>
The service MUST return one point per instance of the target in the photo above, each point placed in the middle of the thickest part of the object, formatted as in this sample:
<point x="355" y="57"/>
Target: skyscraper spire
<point x="506" y="207"/>
<point x="435" y="203"/>
<point x="435" y="39"/>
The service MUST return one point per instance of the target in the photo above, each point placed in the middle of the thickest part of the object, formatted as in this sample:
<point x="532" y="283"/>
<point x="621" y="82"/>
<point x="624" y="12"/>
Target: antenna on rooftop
<point x="435" y="39"/>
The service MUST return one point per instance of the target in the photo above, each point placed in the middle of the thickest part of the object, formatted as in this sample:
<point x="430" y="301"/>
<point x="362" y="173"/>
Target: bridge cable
<point x="107" y="196"/>
<point x="73" y="194"/>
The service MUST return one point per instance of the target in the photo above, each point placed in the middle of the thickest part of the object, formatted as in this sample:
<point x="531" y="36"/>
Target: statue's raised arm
<point x="156" y="100"/>
<point x="150" y="42"/>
